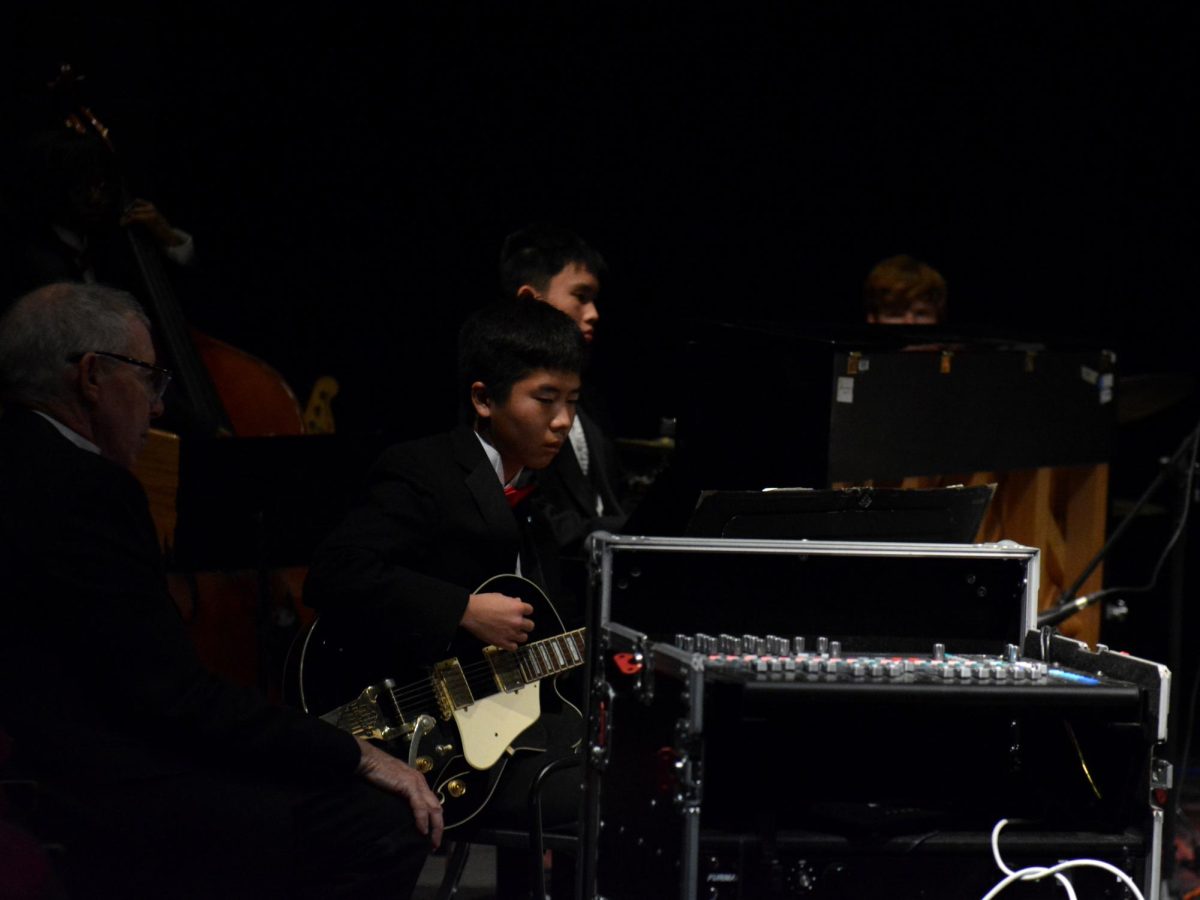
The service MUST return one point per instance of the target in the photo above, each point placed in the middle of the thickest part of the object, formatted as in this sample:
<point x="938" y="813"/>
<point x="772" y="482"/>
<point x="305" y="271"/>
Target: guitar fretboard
<point x="550" y="656"/>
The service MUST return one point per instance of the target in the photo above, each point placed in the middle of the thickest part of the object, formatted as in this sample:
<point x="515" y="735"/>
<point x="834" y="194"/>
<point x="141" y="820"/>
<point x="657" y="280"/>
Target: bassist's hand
<point x="145" y="213"/>
<point x="498" y="619"/>
<point x="385" y="771"/>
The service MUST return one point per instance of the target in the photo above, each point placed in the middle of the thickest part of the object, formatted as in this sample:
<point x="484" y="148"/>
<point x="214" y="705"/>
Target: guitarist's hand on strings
<point x="387" y="772"/>
<point x="498" y="619"/>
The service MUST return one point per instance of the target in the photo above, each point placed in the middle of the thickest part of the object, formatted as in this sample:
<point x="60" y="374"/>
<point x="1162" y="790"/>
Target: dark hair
<point x="537" y="253"/>
<point x="502" y="343"/>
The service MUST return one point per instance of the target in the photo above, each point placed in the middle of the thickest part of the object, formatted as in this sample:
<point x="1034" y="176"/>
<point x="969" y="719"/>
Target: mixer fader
<point x="799" y="662"/>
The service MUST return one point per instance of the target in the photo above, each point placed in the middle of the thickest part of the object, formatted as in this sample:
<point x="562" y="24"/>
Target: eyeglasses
<point x="156" y="380"/>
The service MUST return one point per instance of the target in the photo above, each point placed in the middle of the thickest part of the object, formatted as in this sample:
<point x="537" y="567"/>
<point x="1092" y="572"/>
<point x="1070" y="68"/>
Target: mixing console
<point x="780" y="659"/>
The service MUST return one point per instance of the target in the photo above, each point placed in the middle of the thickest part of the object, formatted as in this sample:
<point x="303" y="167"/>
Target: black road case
<point x="805" y="719"/>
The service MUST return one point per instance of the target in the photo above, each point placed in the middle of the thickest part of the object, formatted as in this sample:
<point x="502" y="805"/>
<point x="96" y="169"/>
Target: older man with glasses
<point x="165" y="781"/>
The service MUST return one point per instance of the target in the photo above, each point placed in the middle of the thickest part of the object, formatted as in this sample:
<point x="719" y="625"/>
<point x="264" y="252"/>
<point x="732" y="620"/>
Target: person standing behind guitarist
<point x="442" y="514"/>
<point x="580" y="492"/>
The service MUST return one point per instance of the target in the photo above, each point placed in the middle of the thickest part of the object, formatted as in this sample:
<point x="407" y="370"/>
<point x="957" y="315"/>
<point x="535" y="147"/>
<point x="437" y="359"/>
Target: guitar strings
<point x="477" y="675"/>
<point x="472" y="670"/>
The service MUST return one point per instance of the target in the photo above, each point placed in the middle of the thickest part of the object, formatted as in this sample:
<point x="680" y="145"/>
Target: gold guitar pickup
<point x="450" y="685"/>
<point x="506" y="668"/>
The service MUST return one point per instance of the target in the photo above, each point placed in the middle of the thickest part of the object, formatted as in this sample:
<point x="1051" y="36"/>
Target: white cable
<point x="1061" y="879"/>
<point x="1036" y="873"/>
<point x="996" y="847"/>
<point x="1033" y="873"/>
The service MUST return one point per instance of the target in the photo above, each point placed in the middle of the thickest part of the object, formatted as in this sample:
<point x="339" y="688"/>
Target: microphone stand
<point x="1068" y="603"/>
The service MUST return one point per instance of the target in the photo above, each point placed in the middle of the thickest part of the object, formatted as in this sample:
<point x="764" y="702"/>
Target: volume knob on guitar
<point x="455" y="788"/>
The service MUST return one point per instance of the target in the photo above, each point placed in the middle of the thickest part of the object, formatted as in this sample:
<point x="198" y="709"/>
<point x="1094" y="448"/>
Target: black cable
<point x="1068" y="604"/>
<point x="1069" y="593"/>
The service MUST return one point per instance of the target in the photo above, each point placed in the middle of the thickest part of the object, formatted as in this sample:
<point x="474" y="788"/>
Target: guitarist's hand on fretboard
<point x="387" y="772"/>
<point x="498" y="619"/>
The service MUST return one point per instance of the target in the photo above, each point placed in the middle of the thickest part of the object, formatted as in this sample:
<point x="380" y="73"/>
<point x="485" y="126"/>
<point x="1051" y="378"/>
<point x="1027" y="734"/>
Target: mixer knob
<point x="1000" y="672"/>
<point x="939" y="652"/>
<point x="895" y="669"/>
<point x="812" y="665"/>
<point x="1012" y="652"/>
<point x="876" y="669"/>
<point x="858" y="668"/>
<point x="778" y="646"/>
<point x="798" y="644"/>
<point x="822" y="645"/>
<point x="835" y="648"/>
<point x="729" y="645"/>
<point x="752" y="643"/>
<point x="706" y="643"/>
<point x="685" y="642"/>
<point x="1018" y="672"/>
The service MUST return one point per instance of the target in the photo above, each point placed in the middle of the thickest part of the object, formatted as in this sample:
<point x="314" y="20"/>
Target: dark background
<point x="349" y="175"/>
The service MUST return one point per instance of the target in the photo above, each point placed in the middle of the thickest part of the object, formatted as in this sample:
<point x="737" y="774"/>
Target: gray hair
<point x="45" y="327"/>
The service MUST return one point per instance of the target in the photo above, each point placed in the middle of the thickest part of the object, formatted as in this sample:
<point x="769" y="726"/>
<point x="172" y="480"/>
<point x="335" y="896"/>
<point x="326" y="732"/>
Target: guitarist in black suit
<point x="442" y="514"/>
<point x="164" y="781"/>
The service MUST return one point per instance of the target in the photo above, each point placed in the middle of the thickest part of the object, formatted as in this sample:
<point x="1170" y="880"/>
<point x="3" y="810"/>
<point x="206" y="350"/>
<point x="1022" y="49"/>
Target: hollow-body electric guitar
<point x="460" y="722"/>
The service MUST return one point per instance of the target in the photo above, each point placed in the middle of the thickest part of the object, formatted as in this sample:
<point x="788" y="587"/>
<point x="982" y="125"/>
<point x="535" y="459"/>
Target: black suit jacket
<point x="98" y="679"/>
<point x="567" y="497"/>
<point x="432" y="526"/>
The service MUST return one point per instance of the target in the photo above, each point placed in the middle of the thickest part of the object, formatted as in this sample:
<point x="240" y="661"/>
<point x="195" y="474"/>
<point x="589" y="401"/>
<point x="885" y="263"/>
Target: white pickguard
<point x="488" y="726"/>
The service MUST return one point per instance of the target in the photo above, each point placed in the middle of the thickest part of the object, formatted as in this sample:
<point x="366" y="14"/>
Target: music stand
<point x="937" y="515"/>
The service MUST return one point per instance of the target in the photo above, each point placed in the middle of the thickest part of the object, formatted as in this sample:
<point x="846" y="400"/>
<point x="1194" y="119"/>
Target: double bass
<point x="228" y="394"/>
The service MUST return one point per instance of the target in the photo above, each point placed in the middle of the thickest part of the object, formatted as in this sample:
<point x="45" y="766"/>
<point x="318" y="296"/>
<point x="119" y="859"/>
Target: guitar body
<point x="459" y="721"/>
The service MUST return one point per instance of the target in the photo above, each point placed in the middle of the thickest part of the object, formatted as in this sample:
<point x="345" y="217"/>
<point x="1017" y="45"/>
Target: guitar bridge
<point x="363" y="717"/>
<point x="450" y="685"/>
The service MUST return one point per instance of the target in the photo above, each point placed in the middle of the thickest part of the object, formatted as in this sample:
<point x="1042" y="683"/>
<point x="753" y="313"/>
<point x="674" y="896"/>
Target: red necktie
<point x="515" y="495"/>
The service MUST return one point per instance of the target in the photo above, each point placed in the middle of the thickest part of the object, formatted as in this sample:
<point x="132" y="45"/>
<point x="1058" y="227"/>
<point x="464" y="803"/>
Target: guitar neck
<point x="501" y="672"/>
<point x="538" y="660"/>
